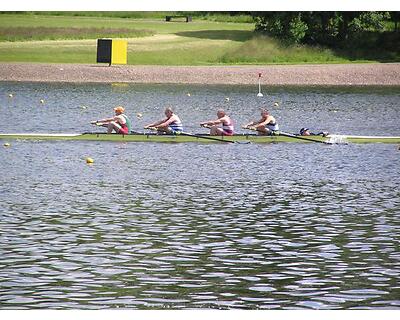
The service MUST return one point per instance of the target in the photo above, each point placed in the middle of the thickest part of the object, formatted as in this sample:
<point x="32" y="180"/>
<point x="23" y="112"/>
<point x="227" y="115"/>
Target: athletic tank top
<point x="228" y="126"/>
<point x="128" y="123"/>
<point x="176" y="125"/>
<point x="273" y="126"/>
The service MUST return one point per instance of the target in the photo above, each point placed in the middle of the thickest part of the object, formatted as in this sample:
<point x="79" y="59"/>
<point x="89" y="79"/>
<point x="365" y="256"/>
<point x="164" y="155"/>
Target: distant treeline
<point x="330" y="28"/>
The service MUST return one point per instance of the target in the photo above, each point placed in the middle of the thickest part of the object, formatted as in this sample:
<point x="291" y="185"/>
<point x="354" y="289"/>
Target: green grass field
<point x="72" y="39"/>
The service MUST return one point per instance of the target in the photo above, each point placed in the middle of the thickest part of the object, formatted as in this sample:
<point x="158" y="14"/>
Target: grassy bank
<point x="72" y="39"/>
<point x="44" y="33"/>
<point x="152" y="15"/>
<point x="270" y="51"/>
<point x="156" y="25"/>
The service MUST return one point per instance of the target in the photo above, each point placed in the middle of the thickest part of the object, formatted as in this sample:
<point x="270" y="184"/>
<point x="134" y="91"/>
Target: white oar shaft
<point x="259" y="86"/>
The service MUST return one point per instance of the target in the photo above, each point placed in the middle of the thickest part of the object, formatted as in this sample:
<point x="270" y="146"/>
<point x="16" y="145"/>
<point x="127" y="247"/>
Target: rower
<point x="307" y="132"/>
<point x="267" y="125"/>
<point x="120" y="123"/>
<point x="170" y="125"/>
<point x="223" y="119"/>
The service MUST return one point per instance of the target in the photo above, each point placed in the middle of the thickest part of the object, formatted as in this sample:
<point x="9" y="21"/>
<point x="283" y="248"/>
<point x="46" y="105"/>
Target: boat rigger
<point x="201" y="138"/>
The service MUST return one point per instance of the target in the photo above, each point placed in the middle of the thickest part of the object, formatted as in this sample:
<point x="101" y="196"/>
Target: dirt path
<point x="333" y="74"/>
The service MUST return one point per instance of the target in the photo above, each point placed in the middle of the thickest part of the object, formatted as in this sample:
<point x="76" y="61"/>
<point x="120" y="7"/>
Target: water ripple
<point x="201" y="226"/>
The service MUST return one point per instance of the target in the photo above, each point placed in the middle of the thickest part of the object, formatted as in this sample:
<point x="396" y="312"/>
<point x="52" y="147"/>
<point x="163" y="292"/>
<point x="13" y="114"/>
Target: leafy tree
<point x="395" y="17"/>
<point x="369" y="21"/>
<point x="324" y="28"/>
<point x="287" y="26"/>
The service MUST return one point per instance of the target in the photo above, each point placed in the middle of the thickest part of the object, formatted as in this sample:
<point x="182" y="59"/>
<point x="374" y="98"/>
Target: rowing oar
<point x="97" y="123"/>
<point x="196" y="136"/>
<point x="280" y="133"/>
<point x="104" y="124"/>
<point x="208" y="127"/>
<point x="301" y="138"/>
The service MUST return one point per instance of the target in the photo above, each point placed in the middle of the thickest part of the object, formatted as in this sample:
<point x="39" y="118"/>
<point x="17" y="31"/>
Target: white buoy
<point x="259" y="86"/>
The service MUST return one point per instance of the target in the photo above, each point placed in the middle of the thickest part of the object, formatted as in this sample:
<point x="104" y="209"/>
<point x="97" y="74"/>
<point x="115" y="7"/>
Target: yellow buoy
<point x="89" y="160"/>
<point x="7" y="144"/>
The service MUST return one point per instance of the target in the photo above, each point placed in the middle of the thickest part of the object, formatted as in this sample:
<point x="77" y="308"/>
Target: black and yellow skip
<point x="112" y="51"/>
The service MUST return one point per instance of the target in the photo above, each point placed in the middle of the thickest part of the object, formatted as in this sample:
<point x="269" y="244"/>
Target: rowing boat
<point x="152" y="137"/>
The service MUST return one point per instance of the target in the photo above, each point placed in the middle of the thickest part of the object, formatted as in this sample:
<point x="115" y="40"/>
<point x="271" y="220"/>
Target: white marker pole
<point x="259" y="85"/>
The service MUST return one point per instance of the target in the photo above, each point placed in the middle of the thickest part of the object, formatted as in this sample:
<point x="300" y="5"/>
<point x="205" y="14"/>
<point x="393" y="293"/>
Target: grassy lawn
<point x="154" y="41"/>
<point x="45" y="38"/>
<point x="156" y="25"/>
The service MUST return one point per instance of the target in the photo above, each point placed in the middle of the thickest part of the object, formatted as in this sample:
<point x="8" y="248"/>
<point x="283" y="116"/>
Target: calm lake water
<point x="190" y="226"/>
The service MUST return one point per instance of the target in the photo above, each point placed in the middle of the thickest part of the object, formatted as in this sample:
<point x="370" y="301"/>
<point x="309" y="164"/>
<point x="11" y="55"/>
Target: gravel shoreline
<point x="373" y="74"/>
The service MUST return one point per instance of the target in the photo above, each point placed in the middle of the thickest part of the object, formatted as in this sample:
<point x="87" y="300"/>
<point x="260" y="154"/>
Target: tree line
<point x="330" y="28"/>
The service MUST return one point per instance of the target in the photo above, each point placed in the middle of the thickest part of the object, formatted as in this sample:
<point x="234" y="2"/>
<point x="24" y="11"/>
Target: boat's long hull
<point x="196" y="138"/>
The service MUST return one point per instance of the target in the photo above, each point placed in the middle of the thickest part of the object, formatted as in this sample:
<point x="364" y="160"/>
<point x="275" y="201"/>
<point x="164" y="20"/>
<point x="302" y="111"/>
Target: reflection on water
<point x="278" y="226"/>
<point x="162" y="226"/>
